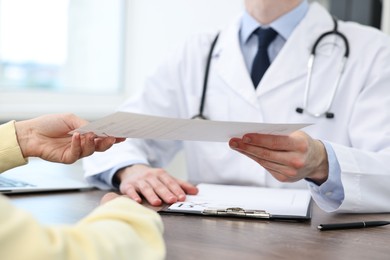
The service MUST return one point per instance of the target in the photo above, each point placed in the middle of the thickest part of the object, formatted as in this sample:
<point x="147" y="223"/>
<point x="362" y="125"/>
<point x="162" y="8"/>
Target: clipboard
<point x="245" y="202"/>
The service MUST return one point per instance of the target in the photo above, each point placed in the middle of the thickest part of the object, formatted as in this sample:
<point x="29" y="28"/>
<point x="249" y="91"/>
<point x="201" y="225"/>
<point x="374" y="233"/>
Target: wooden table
<point x="196" y="237"/>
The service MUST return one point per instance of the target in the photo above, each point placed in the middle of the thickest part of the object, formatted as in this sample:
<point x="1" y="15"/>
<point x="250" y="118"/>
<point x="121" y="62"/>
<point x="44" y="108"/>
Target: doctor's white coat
<point x="359" y="133"/>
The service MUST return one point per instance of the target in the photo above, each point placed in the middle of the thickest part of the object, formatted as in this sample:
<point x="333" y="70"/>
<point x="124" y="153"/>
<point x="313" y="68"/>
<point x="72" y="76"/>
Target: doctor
<point x="342" y="158"/>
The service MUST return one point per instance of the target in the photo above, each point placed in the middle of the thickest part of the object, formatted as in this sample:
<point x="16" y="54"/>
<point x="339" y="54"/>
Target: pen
<point x="361" y="224"/>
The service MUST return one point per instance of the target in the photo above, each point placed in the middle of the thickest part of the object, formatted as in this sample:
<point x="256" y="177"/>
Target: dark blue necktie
<point x="261" y="61"/>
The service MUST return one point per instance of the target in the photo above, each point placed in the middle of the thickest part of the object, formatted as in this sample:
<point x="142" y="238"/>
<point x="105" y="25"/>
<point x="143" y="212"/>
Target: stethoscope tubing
<point x="200" y="115"/>
<point x="305" y="108"/>
<point x="310" y="66"/>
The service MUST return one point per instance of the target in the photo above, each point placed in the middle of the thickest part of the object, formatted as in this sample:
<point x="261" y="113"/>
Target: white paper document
<point x="131" y="125"/>
<point x="276" y="203"/>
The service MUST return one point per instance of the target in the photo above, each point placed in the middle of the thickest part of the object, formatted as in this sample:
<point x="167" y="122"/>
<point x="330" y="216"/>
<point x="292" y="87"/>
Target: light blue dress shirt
<point x="331" y="192"/>
<point x="284" y="26"/>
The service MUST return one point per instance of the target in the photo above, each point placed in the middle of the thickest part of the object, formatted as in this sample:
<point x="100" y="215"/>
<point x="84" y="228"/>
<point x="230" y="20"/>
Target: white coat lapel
<point x="230" y="65"/>
<point x="291" y="62"/>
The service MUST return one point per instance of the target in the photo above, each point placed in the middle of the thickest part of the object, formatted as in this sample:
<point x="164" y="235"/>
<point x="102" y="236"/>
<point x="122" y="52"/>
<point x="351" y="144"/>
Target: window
<point x="88" y="56"/>
<point x="59" y="52"/>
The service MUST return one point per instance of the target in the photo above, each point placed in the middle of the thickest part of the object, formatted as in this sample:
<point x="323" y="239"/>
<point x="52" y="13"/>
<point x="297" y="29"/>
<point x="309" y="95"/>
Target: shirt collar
<point x="284" y="25"/>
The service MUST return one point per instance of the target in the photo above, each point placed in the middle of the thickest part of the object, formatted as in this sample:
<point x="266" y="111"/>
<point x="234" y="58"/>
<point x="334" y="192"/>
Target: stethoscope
<point x="305" y="109"/>
<point x="326" y="111"/>
<point x="200" y="115"/>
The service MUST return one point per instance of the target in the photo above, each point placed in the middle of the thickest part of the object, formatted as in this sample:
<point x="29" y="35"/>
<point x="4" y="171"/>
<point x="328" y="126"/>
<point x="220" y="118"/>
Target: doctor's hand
<point x="155" y="184"/>
<point x="287" y="158"/>
<point x="47" y="137"/>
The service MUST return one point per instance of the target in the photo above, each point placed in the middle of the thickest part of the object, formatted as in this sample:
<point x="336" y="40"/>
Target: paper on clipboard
<point x="243" y="201"/>
<point x="132" y="125"/>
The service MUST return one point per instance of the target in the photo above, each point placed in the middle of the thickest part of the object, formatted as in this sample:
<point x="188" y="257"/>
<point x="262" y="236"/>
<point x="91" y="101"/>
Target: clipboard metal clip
<point x="237" y="212"/>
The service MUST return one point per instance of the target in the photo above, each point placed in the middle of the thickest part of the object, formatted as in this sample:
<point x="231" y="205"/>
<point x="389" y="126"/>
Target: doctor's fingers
<point x="288" y="158"/>
<point x="165" y="191"/>
<point x="280" y="172"/>
<point x="188" y="187"/>
<point x="143" y="187"/>
<point x="297" y="141"/>
<point x="154" y="191"/>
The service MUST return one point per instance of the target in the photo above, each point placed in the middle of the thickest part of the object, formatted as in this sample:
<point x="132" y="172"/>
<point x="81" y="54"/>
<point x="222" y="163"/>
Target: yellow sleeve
<point x="119" y="229"/>
<point x="10" y="153"/>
